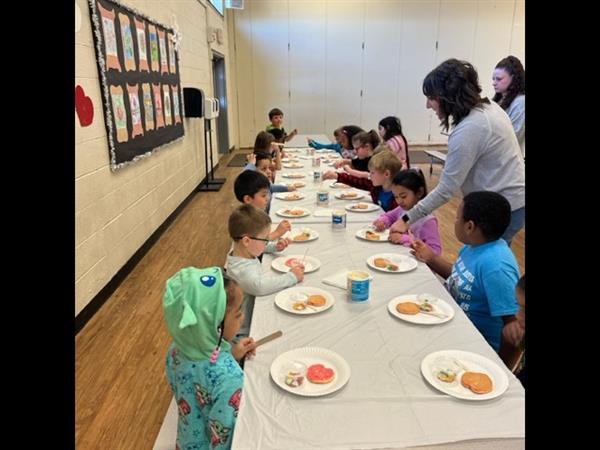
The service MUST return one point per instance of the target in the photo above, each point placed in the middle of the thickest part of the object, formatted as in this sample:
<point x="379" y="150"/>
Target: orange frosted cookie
<point x="478" y="382"/>
<point x="316" y="300"/>
<point x="407" y="308"/>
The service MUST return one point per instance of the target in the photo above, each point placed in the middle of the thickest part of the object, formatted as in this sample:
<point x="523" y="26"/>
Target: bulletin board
<point x="138" y="67"/>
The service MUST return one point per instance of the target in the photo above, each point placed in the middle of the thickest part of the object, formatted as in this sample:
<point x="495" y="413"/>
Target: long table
<point x="300" y="140"/>
<point x="386" y="403"/>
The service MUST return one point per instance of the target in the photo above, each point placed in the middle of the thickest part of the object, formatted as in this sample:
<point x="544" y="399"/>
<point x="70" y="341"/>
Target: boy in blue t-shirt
<point x="483" y="278"/>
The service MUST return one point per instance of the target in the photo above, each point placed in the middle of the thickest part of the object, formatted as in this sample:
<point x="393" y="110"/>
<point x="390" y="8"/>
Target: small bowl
<point x="294" y="374"/>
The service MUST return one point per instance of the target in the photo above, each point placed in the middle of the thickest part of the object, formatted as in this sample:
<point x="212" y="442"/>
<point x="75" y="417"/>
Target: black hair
<point x="249" y="182"/>
<point x="262" y="155"/>
<point x="455" y="85"/>
<point x="489" y="211"/>
<point x="393" y="127"/>
<point x="412" y="179"/>
<point x="350" y="131"/>
<point x="514" y="68"/>
<point x="275" y="112"/>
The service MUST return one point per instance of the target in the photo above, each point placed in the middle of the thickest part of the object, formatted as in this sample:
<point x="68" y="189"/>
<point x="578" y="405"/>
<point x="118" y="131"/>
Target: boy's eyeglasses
<point x="266" y="241"/>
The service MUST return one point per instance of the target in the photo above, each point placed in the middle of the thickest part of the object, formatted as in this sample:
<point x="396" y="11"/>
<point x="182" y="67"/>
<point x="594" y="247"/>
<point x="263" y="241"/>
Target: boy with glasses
<point x="249" y="228"/>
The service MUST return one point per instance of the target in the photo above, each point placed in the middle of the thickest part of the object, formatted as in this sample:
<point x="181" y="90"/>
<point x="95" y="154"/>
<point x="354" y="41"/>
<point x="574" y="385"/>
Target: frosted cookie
<point x="408" y="308"/>
<point x="478" y="382"/>
<point x="319" y="374"/>
<point x="316" y="300"/>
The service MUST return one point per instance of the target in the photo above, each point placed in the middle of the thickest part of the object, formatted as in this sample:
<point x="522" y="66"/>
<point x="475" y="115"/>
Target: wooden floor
<point x="121" y="391"/>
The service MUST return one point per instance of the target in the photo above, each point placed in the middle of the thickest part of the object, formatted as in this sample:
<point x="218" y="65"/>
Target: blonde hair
<point x="385" y="160"/>
<point x="247" y="220"/>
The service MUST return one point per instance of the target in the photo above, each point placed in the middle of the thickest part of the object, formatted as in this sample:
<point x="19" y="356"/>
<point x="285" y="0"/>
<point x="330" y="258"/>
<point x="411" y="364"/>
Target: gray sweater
<point x="483" y="155"/>
<point x="516" y="112"/>
<point x="249" y="275"/>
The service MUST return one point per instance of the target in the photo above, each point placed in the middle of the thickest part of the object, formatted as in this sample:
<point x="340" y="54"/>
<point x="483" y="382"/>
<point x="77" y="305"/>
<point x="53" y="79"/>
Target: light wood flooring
<point x="121" y="391"/>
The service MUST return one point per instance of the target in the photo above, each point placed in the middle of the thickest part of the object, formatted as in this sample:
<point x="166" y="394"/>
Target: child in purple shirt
<point x="409" y="187"/>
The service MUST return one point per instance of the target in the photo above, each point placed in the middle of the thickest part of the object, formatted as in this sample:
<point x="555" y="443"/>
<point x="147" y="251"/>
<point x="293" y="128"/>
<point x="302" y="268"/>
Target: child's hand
<point x="243" y="347"/>
<point x="294" y="132"/>
<point x="284" y="226"/>
<point x="513" y="332"/>
<point x="422" y="251"/>
<point x="356" y="173"/>
<point x="298" y="270"/>
<point x="251" y="157"/>
<point x="339" y="163"/>
<point x="291" y="187"/>
<point x="309" y="140"/>
<point x="282" y="244"/>
<point x="330" y="175"/>
<point x="399" y="226"/>
<point x="395" y="237"/>
<point x="379" y="225"/>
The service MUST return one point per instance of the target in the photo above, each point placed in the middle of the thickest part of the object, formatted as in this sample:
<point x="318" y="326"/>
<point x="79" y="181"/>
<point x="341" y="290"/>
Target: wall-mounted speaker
<point x="193" y="102"/>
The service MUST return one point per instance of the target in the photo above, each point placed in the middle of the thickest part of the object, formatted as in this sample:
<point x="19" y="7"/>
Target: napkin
<point x="338" y="279"/>
<point x="323" y="213"/>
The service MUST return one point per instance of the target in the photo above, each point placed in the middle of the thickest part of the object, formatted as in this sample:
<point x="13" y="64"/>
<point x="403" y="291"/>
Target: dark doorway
<point x="220" y="84"/>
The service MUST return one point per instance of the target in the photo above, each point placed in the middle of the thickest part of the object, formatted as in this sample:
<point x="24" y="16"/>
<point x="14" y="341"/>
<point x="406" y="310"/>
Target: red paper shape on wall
<point x="84" y="107"/>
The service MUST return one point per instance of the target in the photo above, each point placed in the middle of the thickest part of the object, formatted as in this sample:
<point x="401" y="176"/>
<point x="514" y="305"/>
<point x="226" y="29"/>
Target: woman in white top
<point x="509" y="83"/>
<point x="390" y="130"/>
<point x="483" y="152"/>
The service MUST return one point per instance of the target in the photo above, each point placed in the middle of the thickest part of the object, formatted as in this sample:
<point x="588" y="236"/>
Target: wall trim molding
<point x="109" y="288"/>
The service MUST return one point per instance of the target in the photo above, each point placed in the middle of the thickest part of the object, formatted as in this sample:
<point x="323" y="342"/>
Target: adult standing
<point x="509" y="83"/>
<point x="483" y="152"/>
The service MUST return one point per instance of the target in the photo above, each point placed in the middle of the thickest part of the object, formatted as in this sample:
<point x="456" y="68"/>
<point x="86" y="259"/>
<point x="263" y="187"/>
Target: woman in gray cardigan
<point x="483" y="152"/>
<point x="509" y="83"/>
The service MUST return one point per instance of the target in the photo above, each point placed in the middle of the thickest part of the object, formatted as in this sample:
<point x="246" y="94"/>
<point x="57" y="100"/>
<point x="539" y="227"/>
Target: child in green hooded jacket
<point x="203" y="311"/>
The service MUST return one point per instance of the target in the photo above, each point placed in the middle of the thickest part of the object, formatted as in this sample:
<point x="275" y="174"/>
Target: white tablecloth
<point x="387" y="403"/>
<point x="300" y="140"/>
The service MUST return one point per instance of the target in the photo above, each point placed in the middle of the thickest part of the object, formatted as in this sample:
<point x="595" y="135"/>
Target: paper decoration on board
<point x="176" y="36"/>
<point x="138" y="62"/>
<point x="84" y="107"/>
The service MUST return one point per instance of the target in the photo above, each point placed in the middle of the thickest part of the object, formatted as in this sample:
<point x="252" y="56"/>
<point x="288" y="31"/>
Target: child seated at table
<point x="262" y="162"/>
<point x="276" y="118"/>
<point x="249" y="229"/>
<point x="348" y="133"/>
<point x="203" y="312"/>
<point x="337" y="145"/>
<point x="265" y="143"/>
<point x="382" y="168"/>
<point x="408" y="187"/>
<point x="364" y="144"/>
<point x="482" y="280"/>
<point x="252" y="187"/>
<point x="390" y="130"/>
